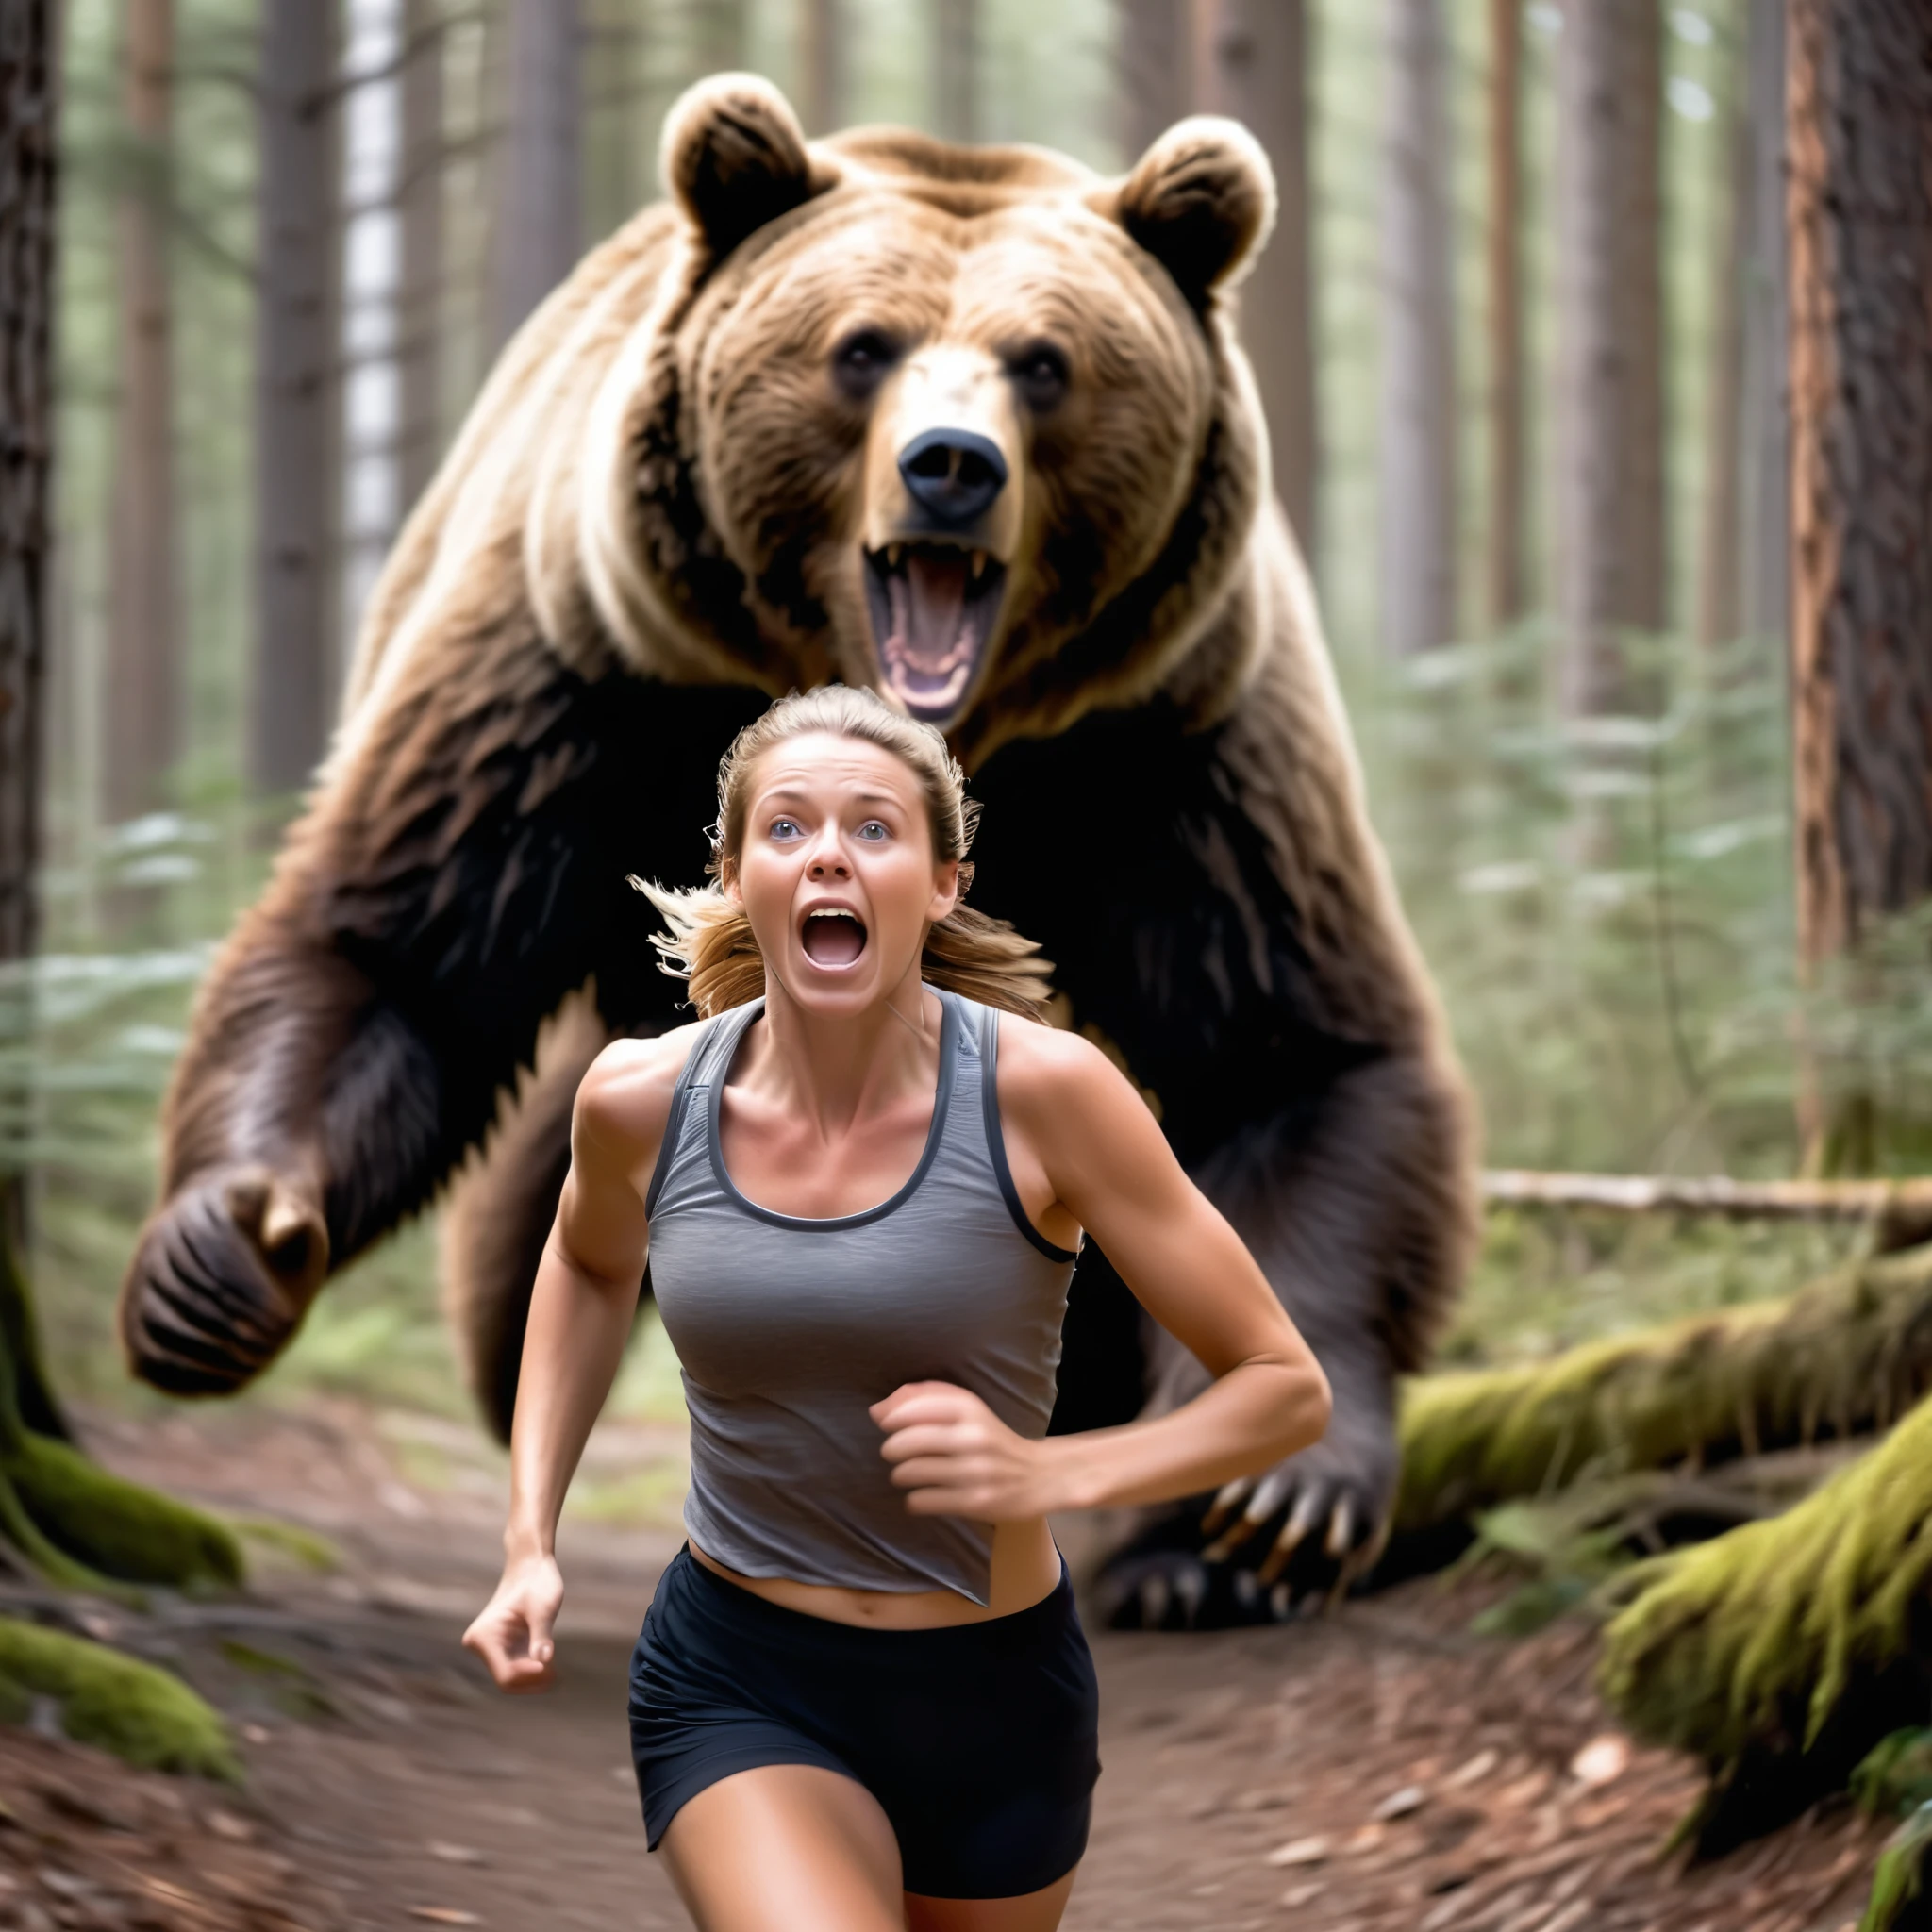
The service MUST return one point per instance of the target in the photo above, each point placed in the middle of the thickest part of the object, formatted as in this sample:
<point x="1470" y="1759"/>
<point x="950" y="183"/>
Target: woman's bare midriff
<point x="1025" y="1567"/>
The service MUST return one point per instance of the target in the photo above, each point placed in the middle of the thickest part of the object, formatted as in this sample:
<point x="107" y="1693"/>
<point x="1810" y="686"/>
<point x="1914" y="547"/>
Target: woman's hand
<point x="512" y="1635"/>
<point x="957" y="1459"/>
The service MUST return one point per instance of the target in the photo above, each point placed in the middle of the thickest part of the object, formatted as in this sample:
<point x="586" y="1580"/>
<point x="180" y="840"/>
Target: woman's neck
<point x="833" y="1069"/>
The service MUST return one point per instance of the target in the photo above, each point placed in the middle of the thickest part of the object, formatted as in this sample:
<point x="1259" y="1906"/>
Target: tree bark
<point x="297" y="439"/>
<point x="821" y="54"/>
<point x="1506" y="585"/>
<point x="540" y="188"/>
<point x="1251" y="62"/>
<point x="142" y="691"/>
<point x="1765" y="566"/>
<point x="1718" y="526"/>
<point x="420" y="351"/>
<point x="955" y="30"/>
<point x="1610" y="488"/>
<point x="1418" y="488"/>
<point x="1860" y="227"/>
<point x="28" y="174"/>
<point x="1151" y="69"/>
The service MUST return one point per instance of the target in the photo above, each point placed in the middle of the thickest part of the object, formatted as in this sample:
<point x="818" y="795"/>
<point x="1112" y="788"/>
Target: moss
<point x="76" y="1524"/>
<point x="1846" y="1355"/>
<point x="118" y="1527"/>
<point x="1777" y="1653"/>
<point x="114" y="1702"/>
<point x="1897" y="1900"/>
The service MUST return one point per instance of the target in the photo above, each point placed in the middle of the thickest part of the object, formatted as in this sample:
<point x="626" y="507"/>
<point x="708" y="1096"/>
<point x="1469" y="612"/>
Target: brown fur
<point x="656" y="513"/>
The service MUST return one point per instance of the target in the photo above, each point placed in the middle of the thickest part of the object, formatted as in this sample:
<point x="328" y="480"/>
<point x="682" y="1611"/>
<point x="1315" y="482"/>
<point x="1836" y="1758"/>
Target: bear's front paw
<point x="223" y="1273"/>
<point x="1268" y="1547"/>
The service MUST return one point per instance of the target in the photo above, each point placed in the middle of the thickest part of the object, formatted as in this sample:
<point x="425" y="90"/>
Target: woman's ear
<point x="735" y="158"/>
<point x="1201" y="201"/>
<point x="947" y="893"/>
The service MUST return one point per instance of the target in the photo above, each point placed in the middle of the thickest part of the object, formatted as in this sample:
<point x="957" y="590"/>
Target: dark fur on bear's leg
<point x="461" y="870"/>
<point x="500" y="1208"/>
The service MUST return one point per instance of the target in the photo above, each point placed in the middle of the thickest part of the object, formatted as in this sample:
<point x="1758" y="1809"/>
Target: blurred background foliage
<point x="1605" y="900"/>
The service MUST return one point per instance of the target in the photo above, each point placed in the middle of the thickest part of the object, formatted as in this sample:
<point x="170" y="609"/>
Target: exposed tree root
<point x="72" y="1521"/>
<point x="1782" y="1652"/>
<point x="113" y="1702"/>
<point x="1846" y="1355"/>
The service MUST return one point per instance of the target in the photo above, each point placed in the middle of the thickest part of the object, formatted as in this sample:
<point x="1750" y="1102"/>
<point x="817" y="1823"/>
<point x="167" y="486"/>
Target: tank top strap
<point x="709" y="1059"/>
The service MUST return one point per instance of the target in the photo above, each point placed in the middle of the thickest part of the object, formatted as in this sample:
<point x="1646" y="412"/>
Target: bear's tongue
<point x="929" y="611"/>
<point x="834" y="942"/>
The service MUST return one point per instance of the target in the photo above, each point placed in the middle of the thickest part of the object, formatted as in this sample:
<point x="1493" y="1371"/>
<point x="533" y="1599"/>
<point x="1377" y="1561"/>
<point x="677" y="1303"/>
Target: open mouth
<point x="933" y="607"/>
<point x="832" y="937"/>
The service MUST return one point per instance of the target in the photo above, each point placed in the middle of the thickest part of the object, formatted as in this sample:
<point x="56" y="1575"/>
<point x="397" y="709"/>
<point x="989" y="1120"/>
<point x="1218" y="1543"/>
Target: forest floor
<point x="1377" y="1770"/>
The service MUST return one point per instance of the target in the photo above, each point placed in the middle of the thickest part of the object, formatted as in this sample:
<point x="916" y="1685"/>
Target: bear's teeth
<point x="894" y="552"/>
<point x="979" y="561"/>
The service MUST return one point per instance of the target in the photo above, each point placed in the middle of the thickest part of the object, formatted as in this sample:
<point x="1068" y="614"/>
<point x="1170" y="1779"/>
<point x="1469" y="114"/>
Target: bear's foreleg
<point x="1352" y="1209"/>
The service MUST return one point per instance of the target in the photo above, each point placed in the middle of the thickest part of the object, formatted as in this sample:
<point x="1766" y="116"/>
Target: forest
<point x="1594" y="345"/>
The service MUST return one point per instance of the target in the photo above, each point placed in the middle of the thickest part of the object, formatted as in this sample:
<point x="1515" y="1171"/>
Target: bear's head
<point x="966" y="424"/>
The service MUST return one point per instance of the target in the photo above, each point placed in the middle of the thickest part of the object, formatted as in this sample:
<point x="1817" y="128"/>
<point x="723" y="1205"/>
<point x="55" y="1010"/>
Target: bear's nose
<point x="953" y="475"/>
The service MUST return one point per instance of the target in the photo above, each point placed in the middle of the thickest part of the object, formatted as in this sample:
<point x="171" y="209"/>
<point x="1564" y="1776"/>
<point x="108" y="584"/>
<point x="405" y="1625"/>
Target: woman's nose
<point x="829" y="862"/>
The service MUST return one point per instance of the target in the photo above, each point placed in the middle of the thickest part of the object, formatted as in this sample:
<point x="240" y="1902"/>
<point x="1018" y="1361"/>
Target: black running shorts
<point x="979" y="1739"/>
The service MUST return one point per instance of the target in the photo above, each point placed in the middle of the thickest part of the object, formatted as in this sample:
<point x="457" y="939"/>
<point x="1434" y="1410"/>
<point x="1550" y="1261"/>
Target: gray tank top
<point x="787" y="1328"/>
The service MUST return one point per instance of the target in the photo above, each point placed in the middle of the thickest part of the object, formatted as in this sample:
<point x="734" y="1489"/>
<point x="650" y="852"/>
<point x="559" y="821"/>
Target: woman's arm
<point x="1089" y="1142"/>
<point x="582" y="1309"/>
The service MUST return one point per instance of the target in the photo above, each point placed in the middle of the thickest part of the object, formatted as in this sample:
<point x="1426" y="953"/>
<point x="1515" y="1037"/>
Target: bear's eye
<point x="1041" y="373"/>
<point x="861" y="361"/>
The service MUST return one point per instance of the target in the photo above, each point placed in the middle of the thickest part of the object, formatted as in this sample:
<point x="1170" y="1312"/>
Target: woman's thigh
<point x="793" y="1848"/>
<point x="1038" y="1911"/>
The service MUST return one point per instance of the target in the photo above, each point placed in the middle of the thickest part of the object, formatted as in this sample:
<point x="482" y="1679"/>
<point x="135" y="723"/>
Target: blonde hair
<point x="710" y="943"/>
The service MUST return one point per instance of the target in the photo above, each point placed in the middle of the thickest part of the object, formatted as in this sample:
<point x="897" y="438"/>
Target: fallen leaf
<point x="455" y="1854"/>
<point x="444" y="1915"/>
<point x="1400" y="1803"/>
<point x="1478" y="1768"/>
<point x="1601" y="1760"/>
<point x="1298" y="1851"/>
<point x="1297" y="1896"/>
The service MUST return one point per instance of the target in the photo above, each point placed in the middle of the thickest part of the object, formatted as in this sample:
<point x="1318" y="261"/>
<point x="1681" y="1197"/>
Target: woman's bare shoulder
<point x="624" y="1099"/>
<point x="1049" y="1066"/>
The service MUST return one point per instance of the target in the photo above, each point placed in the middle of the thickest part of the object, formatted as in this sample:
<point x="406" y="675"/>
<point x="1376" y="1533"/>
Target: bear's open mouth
<point x="933" y="607"/>
<point x="832" y="937"/>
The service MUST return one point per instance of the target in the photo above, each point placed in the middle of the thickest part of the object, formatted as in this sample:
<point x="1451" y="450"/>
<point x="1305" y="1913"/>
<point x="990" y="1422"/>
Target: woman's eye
<point x="872" y="831"/>
<point x="785" y="828"/>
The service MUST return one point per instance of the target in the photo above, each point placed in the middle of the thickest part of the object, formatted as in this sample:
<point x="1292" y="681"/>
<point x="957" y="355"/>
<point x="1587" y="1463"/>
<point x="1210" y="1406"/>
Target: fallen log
<point x="1899" y="1211"/>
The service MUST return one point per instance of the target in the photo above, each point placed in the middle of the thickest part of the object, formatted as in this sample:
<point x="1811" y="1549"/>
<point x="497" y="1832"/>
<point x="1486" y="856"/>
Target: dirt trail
<point x="1244" y="1770"/>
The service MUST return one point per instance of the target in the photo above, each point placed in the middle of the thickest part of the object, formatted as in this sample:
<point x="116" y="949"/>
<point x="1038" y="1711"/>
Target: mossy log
<point x="1782" y="1652"/>
<point x="68" y="1519"/>
<point x="1845" y="1356"/>
<point x="113" y="1702"/>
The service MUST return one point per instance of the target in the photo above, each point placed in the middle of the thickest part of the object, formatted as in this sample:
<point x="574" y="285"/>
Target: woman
<point x="861" y="1699"/>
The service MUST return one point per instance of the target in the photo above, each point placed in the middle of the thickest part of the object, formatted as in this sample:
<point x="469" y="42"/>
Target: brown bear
<point x="970" y="425"/>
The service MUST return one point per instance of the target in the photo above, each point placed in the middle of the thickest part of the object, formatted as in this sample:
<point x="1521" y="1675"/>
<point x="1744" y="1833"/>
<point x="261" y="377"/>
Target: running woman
<point x="862" y="1701"/>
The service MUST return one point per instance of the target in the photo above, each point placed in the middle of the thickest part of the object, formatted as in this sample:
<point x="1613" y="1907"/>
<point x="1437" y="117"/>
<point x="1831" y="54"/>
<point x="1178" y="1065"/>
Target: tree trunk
<point x="955" y="29"/>
<point x="1610" y="489"/>
<point x="1508" y="594"/>
<point x="1765" y="565"/>
<point x="142" y="690"/>
<point x="60" y="1515"/>
<point x="420" y="352"/>
<point x="1152" y="66"/>
<point x="1718" y="526"/>
<point x="1251" y="62"/>
<point x="1860" y="216"/>
<point x="539" y="189"/>
<point x="1418" y="488"/>
<point x="297" y="442"/>
<point x="822" y="64"/>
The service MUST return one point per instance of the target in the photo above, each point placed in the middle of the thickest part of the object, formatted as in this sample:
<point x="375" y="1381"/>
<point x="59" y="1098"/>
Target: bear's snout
<point x="955" y="475"/>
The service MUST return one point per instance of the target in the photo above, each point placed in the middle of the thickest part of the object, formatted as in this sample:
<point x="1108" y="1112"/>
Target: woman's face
<point x="837" y="871"/>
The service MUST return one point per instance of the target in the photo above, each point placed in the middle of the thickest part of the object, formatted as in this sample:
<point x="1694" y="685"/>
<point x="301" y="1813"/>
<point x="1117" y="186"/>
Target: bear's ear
<point x="1201" y="201"/>
<point x="734" y="157"/>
